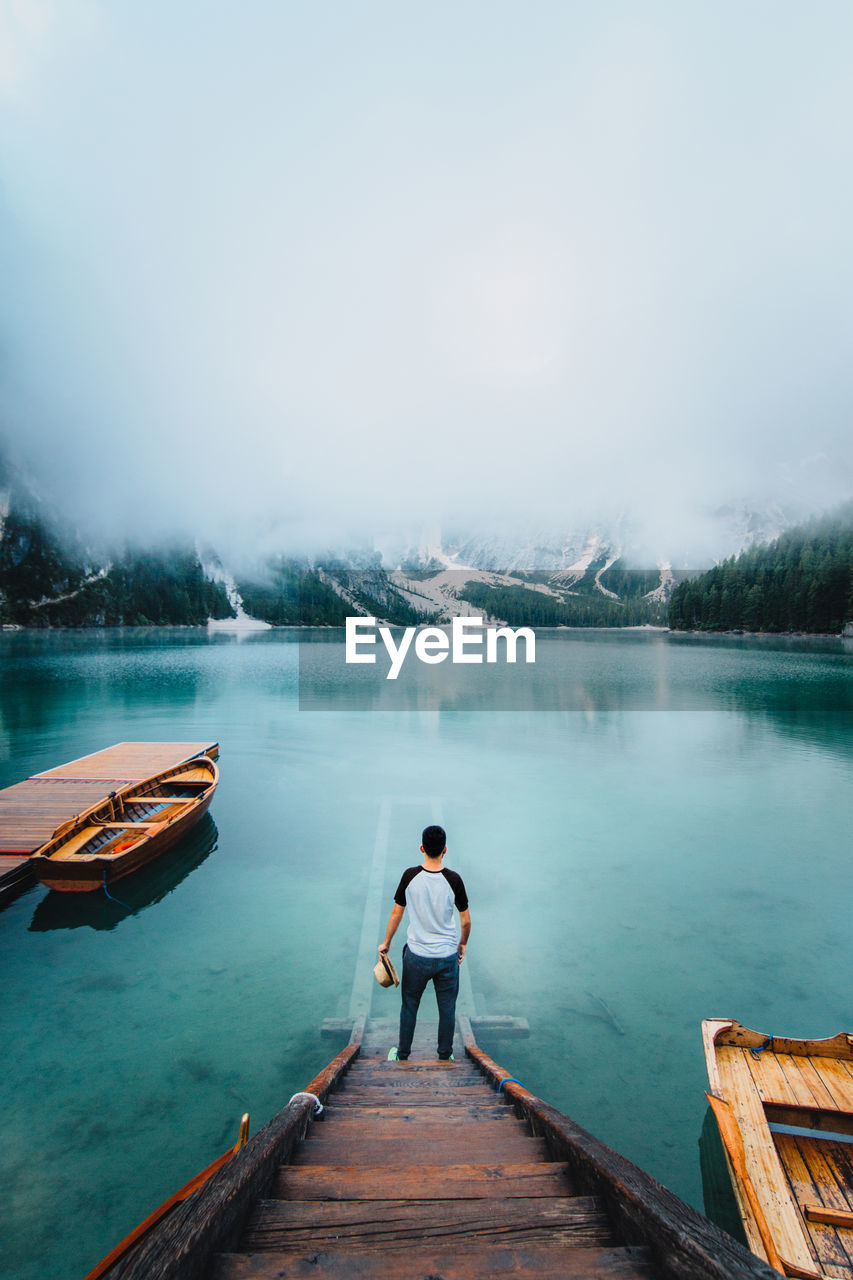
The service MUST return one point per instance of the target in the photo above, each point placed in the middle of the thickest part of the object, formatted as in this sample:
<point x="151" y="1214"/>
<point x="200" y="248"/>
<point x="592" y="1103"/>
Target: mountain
<point x="587" y="576"/>
<point x="48" y="578"/>
<point x="713" y="534"/>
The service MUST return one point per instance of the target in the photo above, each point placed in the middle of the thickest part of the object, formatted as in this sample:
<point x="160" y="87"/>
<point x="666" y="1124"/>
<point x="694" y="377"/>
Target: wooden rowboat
<point x="784" y="1109"/>
<point x="127" y="830"/>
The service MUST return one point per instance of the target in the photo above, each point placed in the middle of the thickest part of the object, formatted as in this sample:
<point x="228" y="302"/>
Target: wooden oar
<point x="733" y="1142"/>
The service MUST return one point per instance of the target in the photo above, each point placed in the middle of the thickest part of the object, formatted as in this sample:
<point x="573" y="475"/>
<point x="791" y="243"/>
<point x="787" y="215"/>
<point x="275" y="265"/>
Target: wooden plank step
<point x="432" y="1122"/>
<point x="465" y="1093"/>
<point x="466" y="1088"/>
<point x="285" y="1224"/>
<point x="402" y="1109"/>
<point x="429" y="1079"/>
<point x="415" y="1098"/>
<point x="416" y="1079"/>
<point x="503" y="1148"/>
<point x="415" y="1064"/>
<point x="413" y="1182"/>
<point x="340" y="1105"/>
<point x="551" y="1261"/>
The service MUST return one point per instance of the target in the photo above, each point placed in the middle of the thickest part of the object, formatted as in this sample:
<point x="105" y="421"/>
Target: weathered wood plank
<point x="377" y="1080"/>
<point x="806" y="1190"/>
<point x="31" y="811"/>
<point x="771" y="1082"/>
<point x="344" y="1102"/>
<point x="450" y="1262"/>
<point x="839" y="1157"/>
<point x="432" y="1122"/>
<point x="413" y="1182"/>
<point x="822" y="1159"/>
<point x="448" y="1112"/>
<point x="134" y="760"/>
<point x="501" y="1148"/>
<point x="414" y="1082"/>
<point x="762" y="1162"/>
<point x="806" y="1084"/>
<point x="283" y="1224"/>
<point x="384" y="1070"/>
<point x="838" y="1081"/>
<point x="470" y="1094"/>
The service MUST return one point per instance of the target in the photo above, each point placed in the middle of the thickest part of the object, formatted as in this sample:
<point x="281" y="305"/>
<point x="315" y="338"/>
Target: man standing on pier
<point x="434" y="950"/>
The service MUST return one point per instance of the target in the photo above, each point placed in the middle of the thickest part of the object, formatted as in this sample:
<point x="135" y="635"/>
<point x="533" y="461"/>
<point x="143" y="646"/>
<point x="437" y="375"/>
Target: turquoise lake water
<point x="672" y="843"/>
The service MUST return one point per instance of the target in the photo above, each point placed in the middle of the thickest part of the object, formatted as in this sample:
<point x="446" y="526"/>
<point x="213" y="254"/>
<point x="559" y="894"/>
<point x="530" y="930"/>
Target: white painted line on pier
<point x="363" y="979"/>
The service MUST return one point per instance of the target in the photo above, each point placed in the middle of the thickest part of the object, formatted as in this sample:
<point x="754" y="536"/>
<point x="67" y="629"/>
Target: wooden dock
<point x="31" y="811"/>
<point x="425" y="1170"/>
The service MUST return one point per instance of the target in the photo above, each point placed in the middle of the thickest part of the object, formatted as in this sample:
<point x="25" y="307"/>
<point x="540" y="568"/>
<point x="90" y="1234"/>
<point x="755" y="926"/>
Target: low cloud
<point x="288" y="280"/>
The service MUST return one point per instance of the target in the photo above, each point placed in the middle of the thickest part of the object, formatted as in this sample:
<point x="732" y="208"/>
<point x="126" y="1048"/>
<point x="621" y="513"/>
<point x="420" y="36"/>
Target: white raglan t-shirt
<point x="430" y="897"/>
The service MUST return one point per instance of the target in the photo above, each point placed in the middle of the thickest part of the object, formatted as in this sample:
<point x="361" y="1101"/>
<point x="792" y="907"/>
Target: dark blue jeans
<point x="443" y="972"/>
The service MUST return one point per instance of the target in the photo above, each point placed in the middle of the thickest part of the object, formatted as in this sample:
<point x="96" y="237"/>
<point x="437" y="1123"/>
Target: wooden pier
<point x="425" y="1170"/>
<point x="31" y="811"/>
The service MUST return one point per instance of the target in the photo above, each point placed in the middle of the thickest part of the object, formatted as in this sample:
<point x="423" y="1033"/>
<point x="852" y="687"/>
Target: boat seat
<point x="156" y="799"/>
<point x="125" y="826"/>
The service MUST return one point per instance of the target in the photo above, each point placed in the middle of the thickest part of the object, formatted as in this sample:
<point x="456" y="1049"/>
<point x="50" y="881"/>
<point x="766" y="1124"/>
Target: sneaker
<point x="441" y="1058"/>
<point x="394" y="1056"/>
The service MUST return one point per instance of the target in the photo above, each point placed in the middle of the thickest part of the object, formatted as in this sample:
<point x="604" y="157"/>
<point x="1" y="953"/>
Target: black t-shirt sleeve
<point x="460" y="897"/>
<point x="405" y="880"/>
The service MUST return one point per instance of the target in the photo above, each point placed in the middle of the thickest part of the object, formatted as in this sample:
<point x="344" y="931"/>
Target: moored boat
<point x="784" y="1109"/>
<point x="128" y="830"/>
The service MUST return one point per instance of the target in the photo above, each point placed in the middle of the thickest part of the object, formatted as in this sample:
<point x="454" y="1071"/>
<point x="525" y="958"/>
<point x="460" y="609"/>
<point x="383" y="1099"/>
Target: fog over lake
<point x="362" y="269"/>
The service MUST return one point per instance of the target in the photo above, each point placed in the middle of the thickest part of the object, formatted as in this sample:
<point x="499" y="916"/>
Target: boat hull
<point x="69" y="874"/>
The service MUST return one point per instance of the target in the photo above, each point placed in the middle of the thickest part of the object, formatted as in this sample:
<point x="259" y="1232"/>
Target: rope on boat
<point x="510" y="1080"/>
<point x="318" y="1109"/>
<point x="109" y="895"/>
<point x="756" y="1053"/>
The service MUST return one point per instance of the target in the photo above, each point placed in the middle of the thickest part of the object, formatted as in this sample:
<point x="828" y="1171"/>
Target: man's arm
<point x="393" y="922"/>
<point x="465" y="921"/>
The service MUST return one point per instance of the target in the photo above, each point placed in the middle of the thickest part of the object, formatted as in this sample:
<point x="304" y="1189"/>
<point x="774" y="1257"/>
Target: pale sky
<point x="275" y="271"/>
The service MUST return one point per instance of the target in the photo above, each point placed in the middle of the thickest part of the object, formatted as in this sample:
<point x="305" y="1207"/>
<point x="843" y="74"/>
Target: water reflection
<point x="717" y="1191"/>
<point x="594" y="671"/>
<point x="142" y="889"/>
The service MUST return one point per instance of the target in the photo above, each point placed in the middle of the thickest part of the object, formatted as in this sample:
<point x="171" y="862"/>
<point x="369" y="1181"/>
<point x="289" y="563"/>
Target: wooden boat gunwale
<point x="157" y="834"/>
<point x="778" y="1209"/>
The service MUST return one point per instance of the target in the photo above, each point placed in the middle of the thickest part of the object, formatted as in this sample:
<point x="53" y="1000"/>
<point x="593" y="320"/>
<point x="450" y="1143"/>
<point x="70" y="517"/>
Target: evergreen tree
<point x="803" y="581"/>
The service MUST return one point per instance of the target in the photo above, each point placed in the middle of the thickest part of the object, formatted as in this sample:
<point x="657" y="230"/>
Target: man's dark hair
<point x="433" y="840"/>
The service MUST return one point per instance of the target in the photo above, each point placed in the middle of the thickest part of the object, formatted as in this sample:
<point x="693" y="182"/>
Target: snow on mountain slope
<point x="214" y="569"/>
